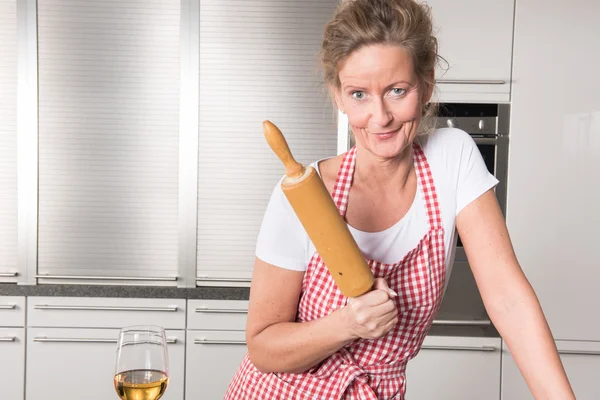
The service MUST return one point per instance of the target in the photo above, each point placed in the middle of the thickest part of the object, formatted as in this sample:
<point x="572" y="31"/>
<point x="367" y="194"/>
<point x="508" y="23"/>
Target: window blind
<point x="258" y="60"/>
<point x="108" y="137"/>
<point x="8" y="137"/>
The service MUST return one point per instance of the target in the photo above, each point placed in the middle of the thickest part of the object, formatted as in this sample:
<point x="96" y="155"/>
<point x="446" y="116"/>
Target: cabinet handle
<point x="8" y="274"/>
<point x="85" y="340"/>
<point x="8" y="339"/>
<point x="8" y="306"/>
<point x="471" y="81"/>
<point x="211" y="278"/>
<point x="209" y="341"/>
<point x="580" y="352"/>
<point x="447" y="322"/>
<point x="464" y="348"/>
<point x="109" y="278"/>
<point x="220" y="310"/>
<point x="104" y="308"/>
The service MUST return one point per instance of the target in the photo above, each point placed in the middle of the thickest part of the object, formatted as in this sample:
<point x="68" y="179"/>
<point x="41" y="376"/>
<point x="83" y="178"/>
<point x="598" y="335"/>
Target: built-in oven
<point x="462" y="311"/>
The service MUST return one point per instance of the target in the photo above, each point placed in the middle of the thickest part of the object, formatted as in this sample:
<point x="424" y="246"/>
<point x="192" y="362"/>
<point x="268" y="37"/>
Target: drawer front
<point x="12" y="311"/>
<point x="12" y="363"/>
<point x="229" y="315"/>
<point x="212" y="358"/>
<point x="87" y="357"/>
<point x="78" y="312"/>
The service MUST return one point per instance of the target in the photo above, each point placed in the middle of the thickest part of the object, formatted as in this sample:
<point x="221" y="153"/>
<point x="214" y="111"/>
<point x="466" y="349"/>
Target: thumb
<point x="381" y="284"/>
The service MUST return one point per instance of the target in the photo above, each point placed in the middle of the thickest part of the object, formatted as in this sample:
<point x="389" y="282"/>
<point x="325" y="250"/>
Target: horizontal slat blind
<point x="8" y="137"/>
<point x="258" y="60"/>
<point x="108" y="137"/>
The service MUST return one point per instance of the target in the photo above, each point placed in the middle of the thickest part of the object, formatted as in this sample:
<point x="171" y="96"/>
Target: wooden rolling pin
<point x="321" y="219"/>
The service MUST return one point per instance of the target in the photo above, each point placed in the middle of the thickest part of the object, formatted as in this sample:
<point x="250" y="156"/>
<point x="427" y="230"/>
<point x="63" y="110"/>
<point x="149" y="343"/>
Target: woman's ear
<point x="428" y="88"/>
<point x="337" y="97"/>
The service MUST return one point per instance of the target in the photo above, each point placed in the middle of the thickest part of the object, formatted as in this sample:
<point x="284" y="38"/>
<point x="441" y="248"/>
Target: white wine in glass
<point x="142" y="370"/>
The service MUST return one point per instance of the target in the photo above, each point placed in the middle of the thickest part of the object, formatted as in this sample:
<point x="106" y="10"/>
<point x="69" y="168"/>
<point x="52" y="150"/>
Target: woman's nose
<point x="381" y="115"/>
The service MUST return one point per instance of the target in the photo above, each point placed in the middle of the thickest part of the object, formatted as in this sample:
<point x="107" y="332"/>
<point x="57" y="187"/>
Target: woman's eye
<point x="358" y="94"/>
<point x="398" y="91"/>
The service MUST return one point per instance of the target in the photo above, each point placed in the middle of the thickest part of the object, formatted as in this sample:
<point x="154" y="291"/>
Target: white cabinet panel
<point x="78" y="312"/>
<point x="455" y="368"/>
<point x="217" y="314"/>
<point x="554" y="167"/>
<point x="213" y="357"/>
<point x="12" y="363"/>
<point x="12" y="311"/>
<point x="67" y="364"/>
<point x="475" y="38"/>
<point x="582" y="365"/>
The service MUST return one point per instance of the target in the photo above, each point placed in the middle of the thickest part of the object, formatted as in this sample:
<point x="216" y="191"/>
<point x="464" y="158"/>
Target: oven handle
<point x="486" y="140"/>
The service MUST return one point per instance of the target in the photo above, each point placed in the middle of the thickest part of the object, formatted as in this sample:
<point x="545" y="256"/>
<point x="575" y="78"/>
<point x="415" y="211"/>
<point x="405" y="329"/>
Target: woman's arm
<point x="509" y="298"/>
<point x="276" y="343"/>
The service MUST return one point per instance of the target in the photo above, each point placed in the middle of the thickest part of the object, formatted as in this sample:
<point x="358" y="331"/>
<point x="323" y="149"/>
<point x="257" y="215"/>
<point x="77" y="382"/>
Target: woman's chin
<point x="389" y="148"/>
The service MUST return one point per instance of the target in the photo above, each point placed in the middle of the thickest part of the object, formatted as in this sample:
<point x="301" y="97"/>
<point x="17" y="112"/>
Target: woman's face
<point x="382" y="96"/>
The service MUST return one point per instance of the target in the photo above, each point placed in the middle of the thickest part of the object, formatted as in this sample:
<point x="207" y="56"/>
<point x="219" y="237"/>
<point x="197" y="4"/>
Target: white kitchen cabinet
<point x="581" y="361"/>
<point x="12" y="363"/>
<point x="71" y="364"/>
<point x="216" y="344"/>
<point x="455" y="368"/>
<point x="475" y="38"/>
<point x="212" y="358"/>
<point x="554" y="166"/>
<point x="12" y="311"/>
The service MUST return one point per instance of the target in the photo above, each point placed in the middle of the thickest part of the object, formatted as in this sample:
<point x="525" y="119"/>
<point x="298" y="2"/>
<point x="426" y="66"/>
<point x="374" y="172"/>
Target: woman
<point x="410" y="189"/>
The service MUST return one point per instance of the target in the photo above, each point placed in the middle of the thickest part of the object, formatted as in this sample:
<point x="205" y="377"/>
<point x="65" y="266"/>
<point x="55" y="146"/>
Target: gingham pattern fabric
<point x="365" y="369"/>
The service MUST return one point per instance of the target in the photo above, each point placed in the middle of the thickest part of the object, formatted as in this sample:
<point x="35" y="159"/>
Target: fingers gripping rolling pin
<point x="321" y="219"/>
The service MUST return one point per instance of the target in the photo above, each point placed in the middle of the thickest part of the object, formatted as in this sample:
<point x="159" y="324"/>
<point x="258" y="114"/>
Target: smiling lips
<point x="385" y="135"/>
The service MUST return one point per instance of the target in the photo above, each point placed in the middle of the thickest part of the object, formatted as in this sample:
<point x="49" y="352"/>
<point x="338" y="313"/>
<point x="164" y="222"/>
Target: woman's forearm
<point x="520" y="321"/>
<point x="296" y="347"/>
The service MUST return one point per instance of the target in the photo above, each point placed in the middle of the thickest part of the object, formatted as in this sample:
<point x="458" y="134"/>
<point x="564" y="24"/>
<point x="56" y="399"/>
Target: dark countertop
<point x="155" y="292"/>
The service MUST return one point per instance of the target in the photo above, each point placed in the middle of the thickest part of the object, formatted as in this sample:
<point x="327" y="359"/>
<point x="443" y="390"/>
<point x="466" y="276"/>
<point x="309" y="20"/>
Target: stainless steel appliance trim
<point x="8" y="274"/>
<point x="463" y="348"/>
<point x="206" y="278"/>
<point x="220" y="310"/>
<point x="210" y="341"/>
<point x="472" y="125"/>
<point x="471" y="81"/>
<point x="43" y="339"/>
<point x="8" y="306"/>
<point x="8" y="339"/>
<point x="482" y="323"/>
<point x="580" y="352"/>
<point x="103" y="308"/>
<point x="188" y="142"/>
<point x="110" y="278"/>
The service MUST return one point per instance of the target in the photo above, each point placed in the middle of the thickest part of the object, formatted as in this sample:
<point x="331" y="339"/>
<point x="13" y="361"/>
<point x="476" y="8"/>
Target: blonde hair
<point x="406" y="23"/>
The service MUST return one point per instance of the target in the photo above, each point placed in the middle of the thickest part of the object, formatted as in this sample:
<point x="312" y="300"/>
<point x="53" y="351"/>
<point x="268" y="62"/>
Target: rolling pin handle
<point x="276" y="140"/>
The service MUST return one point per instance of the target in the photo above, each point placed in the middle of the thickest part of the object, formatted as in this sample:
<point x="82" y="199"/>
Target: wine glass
<point x="142" y="370"/>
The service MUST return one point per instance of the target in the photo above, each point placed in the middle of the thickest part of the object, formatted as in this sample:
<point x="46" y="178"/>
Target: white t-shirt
<point x="460" y="176"/>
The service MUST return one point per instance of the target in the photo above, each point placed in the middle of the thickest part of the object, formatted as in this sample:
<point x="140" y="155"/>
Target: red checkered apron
<point x="365" y="369"/>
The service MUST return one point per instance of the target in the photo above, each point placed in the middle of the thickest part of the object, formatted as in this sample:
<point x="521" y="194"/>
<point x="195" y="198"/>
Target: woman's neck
<point x="374" y="172"/>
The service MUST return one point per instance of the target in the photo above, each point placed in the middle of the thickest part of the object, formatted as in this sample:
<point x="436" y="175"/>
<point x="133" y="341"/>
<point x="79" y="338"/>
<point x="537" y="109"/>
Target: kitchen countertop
<point x="156" y="292"/>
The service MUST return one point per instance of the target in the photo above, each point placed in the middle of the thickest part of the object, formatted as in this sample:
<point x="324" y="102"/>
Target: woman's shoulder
<point x="447" y="143"/>
<point x="328" y="169"/>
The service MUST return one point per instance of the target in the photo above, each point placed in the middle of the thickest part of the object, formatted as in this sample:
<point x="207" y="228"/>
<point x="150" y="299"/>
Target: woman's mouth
<point x="385" y="135"/>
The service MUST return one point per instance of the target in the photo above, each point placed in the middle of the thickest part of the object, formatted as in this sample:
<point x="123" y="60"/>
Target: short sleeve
<point x="282" y="240"/>
<point x="474" y="179"/>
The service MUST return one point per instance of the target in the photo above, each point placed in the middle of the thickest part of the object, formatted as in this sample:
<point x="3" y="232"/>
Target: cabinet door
<point x="67" y="364"/>
<point x="213" y="357"/>
<point x="12" y="362"/>
<point x="582" y="365"/>
<point x="554" y="168"/>
<point x="455" y="368"/>
<point x="475" y="38"/>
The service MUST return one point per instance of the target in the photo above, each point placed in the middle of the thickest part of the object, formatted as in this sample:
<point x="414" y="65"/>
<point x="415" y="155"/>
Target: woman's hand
<point x="372" y="315"/>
